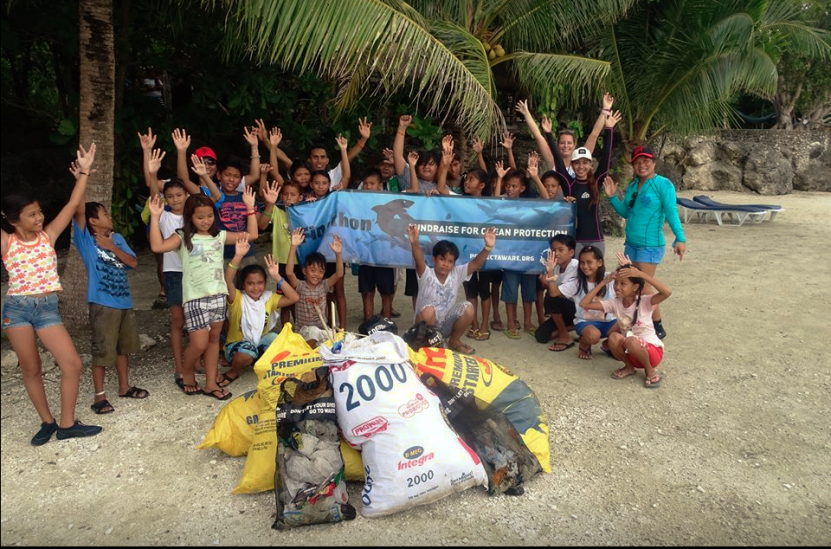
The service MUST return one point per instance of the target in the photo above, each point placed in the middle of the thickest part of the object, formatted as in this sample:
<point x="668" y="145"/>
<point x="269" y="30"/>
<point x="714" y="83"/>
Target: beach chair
<point x="689" y="209"/>
<point x="772" y="208"/>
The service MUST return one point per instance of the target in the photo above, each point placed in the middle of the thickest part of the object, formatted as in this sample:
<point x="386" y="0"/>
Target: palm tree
<point x="443" y="52"/>
<point x="97" y="124"/>
<point x="676" y="64"/>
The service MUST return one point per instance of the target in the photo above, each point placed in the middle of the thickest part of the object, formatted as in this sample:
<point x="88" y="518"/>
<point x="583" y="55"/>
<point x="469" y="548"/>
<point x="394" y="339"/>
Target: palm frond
<point x="536" y="72"/>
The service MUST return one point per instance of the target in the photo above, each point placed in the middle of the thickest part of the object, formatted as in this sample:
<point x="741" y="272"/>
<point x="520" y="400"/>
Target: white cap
<point x="582" y="152"/>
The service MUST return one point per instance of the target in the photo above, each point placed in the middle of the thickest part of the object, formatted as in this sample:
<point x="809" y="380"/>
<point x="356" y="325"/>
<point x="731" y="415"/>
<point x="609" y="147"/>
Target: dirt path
<point x="732" y="450"/>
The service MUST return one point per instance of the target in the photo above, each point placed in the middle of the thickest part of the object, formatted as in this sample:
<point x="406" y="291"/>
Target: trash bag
<point x="309" y="476"/>
<point x="233" y="428"/>
<point x="506" y="459"/>
<point x="411" y="456"/>
<point x="421" y="335"/>
<point x="377" y="323"/>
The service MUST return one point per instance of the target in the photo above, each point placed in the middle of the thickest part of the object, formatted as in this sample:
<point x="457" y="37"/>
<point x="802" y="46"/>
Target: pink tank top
<point x="32" y="266"/>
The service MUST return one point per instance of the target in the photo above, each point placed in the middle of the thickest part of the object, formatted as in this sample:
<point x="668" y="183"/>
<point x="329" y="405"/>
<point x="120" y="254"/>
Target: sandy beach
<point x="733" y="449"/>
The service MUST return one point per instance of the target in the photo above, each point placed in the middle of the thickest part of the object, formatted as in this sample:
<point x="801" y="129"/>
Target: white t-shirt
<point x="168" y="223"/>
<point x="441" y="296"/>
<point x="568" y="274"/>
<point x="335" y="175"/>
<point x="644" y="329"/>
<point x="571" y="289"/>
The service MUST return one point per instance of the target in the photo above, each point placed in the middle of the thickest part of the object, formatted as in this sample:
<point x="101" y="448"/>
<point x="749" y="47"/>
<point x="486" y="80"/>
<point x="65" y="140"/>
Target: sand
<point x="732" y="450"/>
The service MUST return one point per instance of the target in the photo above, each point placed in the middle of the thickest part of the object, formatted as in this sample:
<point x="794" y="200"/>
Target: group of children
<point x="217" y="293"/>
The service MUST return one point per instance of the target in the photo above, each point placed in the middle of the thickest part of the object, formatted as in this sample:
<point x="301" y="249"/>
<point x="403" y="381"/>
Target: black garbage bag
<point x="309" y="480"/>
<point x="507" y="461"/>
<point x="377" y="323"/>
<point x="423" y="335"/>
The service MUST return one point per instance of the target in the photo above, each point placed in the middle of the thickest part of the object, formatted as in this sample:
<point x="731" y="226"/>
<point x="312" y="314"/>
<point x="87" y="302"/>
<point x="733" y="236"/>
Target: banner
<point x="373" y="227"/>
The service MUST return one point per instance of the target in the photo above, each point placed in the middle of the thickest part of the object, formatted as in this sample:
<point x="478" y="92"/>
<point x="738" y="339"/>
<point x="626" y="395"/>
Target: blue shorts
<point x="38" y="312"/>
<point x="511" y="281"/>
<point x="603" y="326"/>
<point x="644" y="254"/>
<point x="173" y="287"/>
<point x="248" y="348"/>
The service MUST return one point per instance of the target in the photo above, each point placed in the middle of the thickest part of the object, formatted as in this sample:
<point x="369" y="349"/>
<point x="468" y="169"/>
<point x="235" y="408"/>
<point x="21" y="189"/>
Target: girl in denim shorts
<point x="31" y="307"/>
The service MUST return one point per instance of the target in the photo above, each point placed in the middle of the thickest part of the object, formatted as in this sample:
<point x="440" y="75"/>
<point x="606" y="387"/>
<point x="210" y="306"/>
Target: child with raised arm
<point x="30" y="311"/>
<point x="439" y="285"/>
<point x="636" y="344"/>
<point x="252" y="311"/>
<point x="313" y="290"/>
<point x="561" y="266"/>
<point x="107" y="257"/>
<point x="199" y="244"/>
<point x="170" y="221"/>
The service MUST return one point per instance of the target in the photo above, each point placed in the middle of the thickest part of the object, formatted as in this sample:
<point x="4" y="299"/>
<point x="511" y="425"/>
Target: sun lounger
<point x="690" y="208"/>
<point x="772" y="208"/>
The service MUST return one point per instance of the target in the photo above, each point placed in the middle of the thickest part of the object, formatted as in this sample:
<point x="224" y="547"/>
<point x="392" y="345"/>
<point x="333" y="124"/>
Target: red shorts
<point x="656" y="355"/>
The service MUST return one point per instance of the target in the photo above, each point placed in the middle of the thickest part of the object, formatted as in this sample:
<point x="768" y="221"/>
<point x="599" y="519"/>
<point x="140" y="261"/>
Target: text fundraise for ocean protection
<point x="373" y="227"/>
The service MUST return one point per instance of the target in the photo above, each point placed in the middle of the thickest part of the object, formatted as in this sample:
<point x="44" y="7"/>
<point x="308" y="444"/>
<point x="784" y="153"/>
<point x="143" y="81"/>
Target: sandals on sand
<point x="585" y="354"/>
<point x="531" y="330"/>
<point x="218" y="394"/>
<point x="497" y="326"/>
<point x="513" y="333"/>
<point x="135" y="392"/>
<point x="226" y="380"/>
<point x="560" y="347"/>
<point x="102" y="407"/>
<point x="482" y="336"/>
<point x="621" y="373"/>
<point x="191" y="390"/>
<point x="653" y="382"/>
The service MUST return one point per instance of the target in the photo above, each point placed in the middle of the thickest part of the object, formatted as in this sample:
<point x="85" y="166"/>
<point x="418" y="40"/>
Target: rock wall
<point x="767" y="162"/>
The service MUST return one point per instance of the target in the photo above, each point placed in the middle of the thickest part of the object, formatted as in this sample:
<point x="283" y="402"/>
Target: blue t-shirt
<point x="107" y="282"/>
<point x="232" y="216"/>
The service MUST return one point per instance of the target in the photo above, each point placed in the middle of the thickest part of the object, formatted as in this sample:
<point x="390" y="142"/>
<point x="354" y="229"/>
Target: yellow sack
<point x="494" y="385"/>
<point x="233" y="428"/>
<point x="288" y="356"/>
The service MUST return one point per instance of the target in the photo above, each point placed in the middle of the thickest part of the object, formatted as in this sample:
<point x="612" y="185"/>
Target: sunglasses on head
<point x="208" y="160"/>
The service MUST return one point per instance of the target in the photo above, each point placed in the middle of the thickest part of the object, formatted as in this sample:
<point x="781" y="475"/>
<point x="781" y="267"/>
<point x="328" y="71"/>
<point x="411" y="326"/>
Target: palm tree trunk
<point x="97" y="120"/>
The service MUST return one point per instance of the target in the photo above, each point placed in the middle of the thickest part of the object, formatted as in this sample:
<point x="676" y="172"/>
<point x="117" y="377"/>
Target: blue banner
<point x="373" y="227"/>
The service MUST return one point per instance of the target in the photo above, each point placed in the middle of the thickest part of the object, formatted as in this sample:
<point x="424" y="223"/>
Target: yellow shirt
<point x="272" y="306"/>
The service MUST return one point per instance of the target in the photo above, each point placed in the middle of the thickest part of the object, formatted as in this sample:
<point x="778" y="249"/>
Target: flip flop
<point x="587" y="352"/>
<point x="564" y="346"/>
<point x="483" y="336"/>
<point x="621" y="373"/>
<point x="652" y="382"/>
<point x="472" y="334"/>
<point x="225" y="394"/>
<point x="102" y="407"/>
<point x="136" y="392"/>
<point x="226" y="380"/>
<point x="497" y="326"/>
<point x="513" y="333"/>
<point x="532" y="330"/>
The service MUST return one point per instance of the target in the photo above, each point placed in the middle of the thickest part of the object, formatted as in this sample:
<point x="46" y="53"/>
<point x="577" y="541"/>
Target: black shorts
<point x="560" y="305"/>
<point x="370" y="277"/>
<point x="478" y="286"/>
<point x="411" y="287"/>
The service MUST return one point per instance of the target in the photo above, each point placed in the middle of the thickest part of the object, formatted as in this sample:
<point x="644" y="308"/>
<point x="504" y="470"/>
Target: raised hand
<point x="249" y="198"/>
<point x="477" y="145"/>
<point x="609" y="186"/>
<point x="85" y="157"/>
<point x="447" y="144"/>
<point x="412" y="158"/>
<point x="250" y="136"/>
<point x="298" y="236"/>
<point x="522" y="107"/>
<point x="507" y="140"/>
<point x="265" y="168"/>
<point x="629" y="272"/>
<point x="342" y="142"/>
<point x="622" y="259"/>
<point x="156" y="207"/>
<point x="500" y="171"/>
<point x="337" y="244"/>
<point x="242" y="246"/>
<point x="489" y="235"/>
<point x="181" y="140"/>
<point x="199" y="167"/>
<point x="388" y="154"/>
<point x="608" y="101"/>
<point x="364" y="128"/>
<point x="546" y="124"/>
<point x="147" y="141"/>
<point x="550" y="262"/>
<point x="272" y="267"/>
<point x="261" y="132"/>
<point x="404" y="120"/>
<point x="533" y="161"/>
<point x="271" y="192"/>
<point x="412" y="233"/>
<point x="154" y="163"/>
<point x="75" y="169"/>
<point x="275" y="137"/>
<point x="613" y="118"/>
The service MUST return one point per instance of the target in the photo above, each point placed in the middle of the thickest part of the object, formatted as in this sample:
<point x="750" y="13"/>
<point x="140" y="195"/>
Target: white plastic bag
<point x="410" y="454"/>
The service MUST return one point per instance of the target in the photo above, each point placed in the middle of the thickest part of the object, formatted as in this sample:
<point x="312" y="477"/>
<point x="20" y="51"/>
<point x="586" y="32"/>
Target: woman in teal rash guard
<point x="648" y="201"/>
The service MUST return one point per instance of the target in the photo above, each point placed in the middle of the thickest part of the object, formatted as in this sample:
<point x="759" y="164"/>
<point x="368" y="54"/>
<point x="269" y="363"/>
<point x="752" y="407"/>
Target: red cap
<point x="202" y="152"/>
<point x="642" y="151"/>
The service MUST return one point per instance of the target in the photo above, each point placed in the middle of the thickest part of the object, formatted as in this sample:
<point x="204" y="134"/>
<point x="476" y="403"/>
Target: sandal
<point x="531" y="330"/>
<point x="497" y="326"/>
<point x="191" y="390"/>
<point x="135" y="392"/>
<point x="463" y="348"/>
<point x="513" y="333"/>
<point x="226" y="380"/>
<point x="585" y="354"/>
<point x="223" y="395"/>
<point x="482" y="336"/>
<point x="102" y="407"/>
<point x="560" y="347"/>
<point x="653" y="382"/>
<point x="621" y="373"/>
<point x="180" y="382"/>
<point x="472" y="333"/>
